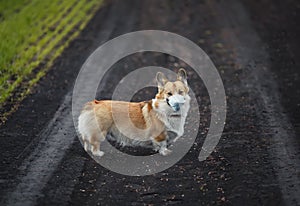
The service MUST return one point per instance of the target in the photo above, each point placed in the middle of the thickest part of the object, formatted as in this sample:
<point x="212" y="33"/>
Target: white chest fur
<point x="174" y="122"/>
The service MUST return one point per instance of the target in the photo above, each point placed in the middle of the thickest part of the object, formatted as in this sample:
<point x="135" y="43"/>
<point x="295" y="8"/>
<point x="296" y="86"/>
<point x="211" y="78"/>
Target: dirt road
<point x="257" y="161"/>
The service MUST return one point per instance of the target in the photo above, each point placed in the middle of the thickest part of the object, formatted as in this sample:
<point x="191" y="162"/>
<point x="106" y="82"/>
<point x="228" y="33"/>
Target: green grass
<point x="33" y="34"/>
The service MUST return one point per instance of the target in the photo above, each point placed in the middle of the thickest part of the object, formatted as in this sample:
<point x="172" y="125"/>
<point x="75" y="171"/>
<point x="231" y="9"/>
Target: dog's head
<point x="174" y="94"/>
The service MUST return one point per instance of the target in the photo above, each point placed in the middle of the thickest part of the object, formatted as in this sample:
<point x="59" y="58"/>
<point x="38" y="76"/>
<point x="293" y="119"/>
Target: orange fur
<point x="161" y="137"/>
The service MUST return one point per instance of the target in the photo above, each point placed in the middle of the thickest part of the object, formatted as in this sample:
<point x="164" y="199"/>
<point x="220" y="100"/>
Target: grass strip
<point x="36" y="48"/>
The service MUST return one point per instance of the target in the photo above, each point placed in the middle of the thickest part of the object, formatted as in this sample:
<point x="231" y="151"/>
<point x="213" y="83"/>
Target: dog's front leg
<point x="179" y="134"/>
<point x="163" y="150"/>
<point x="180" y="131"/>
<point x="176" y="138"/>
<point x="160" y="144"/>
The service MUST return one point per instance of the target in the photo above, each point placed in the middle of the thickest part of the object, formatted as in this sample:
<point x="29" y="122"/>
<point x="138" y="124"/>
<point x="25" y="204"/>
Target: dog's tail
<point x="87" y="122"/>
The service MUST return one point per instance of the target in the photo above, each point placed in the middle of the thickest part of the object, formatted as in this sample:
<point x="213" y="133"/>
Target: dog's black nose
<point x="176" y="107"/>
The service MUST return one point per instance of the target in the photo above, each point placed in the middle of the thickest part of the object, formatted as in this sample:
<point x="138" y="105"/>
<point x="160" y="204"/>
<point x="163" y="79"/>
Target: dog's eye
<point x="180" y="92"/>
<point x="169" y="93"/>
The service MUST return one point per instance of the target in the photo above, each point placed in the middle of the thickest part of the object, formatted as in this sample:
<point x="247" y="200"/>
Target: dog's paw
<point x="98" y="153"/>
<point x="165" y="152"/>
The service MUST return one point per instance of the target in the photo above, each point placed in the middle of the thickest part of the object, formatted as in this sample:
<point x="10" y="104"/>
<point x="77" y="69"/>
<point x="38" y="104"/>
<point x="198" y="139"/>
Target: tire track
<point x="35" y="177"/>
<point x="54" y="140"/>
<point x="51" y="148"/>
<point x="263" y="88"/>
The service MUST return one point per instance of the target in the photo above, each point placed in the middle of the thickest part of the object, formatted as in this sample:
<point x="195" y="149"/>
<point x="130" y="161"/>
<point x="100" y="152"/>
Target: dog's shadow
<point x="138" y="150"/>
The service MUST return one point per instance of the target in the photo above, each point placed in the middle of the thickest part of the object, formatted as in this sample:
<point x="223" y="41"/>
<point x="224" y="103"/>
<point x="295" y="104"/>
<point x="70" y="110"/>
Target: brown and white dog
<point x="132" y="123"/>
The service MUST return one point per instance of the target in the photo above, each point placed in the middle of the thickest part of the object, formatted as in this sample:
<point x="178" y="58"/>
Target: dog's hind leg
<point x="85" y="142"/>
<point x="95" y="144"/>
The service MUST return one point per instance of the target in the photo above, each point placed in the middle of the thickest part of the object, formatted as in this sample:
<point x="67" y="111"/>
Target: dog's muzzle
<point x="175" y="102"/>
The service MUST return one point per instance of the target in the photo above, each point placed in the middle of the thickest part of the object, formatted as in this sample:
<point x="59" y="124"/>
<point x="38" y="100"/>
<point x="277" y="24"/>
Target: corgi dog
<point x="132" y="123"/>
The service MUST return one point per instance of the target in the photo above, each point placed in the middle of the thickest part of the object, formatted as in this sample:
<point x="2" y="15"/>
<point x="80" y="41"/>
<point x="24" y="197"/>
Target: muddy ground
<point x="254" y="45"/>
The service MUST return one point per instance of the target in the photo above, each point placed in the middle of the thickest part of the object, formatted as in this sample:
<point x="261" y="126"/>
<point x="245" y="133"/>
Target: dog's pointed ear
<point x="161" y="80"/>
<point x="181" y="76"/>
